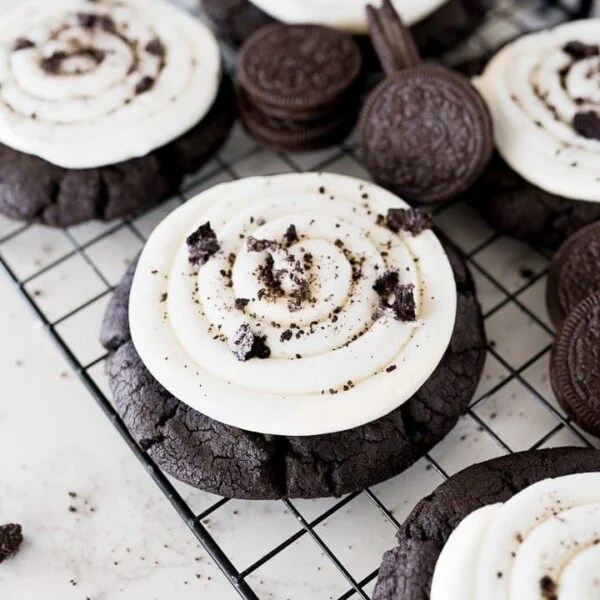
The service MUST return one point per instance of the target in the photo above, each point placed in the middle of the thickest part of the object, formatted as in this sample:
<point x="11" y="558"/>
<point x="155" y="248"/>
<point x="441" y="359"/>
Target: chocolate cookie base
<point x="456" y="19"/>
<point x="407" y="571"/>
<point x="235" y="463"/>
<point x="517" y="208"/>
<point x="32" y="189"/>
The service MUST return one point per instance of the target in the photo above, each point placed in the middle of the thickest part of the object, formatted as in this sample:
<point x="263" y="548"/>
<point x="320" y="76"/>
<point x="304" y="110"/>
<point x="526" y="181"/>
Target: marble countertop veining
<point x="95" y="525"/>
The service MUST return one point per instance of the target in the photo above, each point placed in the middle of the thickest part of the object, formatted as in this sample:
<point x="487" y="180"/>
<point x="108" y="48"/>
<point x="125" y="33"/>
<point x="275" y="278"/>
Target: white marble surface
<point x="95" y="525"/>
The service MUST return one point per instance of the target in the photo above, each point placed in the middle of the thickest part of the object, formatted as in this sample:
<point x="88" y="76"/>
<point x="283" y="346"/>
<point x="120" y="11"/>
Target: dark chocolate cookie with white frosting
<point x="101" y="112"/>
<point x="521" y="526"/>
<point x="437" y="24"/>
<point x="542" y="93"/>
<point x="245" y="372"/>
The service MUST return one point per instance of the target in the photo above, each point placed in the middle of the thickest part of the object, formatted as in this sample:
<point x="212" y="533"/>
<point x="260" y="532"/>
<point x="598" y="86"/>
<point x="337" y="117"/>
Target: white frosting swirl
<point x="87" y="83"/>
<point x="348" y="15"/>
<point x="544" y="543"/>
<point x="342" y="367"/>
<point x="534" y="90"/>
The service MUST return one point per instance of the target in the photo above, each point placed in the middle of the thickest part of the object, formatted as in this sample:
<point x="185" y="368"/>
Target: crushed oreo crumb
<point x="299" y="294"/>
<point x="255" y="245"/>
<point x="387" y="283"/>
<point x="548" y="588"/>
<point x="291" y="235"/>
<point x="579" y="50"/>
<point x="412" y="220"/>
<point x="90" y="20"/>
<point x="587" y="124"/>
<point x="241" y="303"/>
<point x="155" y="47"/>
<point x="11" y="537"/>
<point x="22" y="44"/>
<point x="246" y="345"/>
<point x="404" y="303"/>
<point x="202" y="244"/>
<point x="286" y="336"/>
<point x="144" y="84"/>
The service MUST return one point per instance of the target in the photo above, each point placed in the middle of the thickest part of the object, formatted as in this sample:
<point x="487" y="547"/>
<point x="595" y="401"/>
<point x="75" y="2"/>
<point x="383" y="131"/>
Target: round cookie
<point x="574" y="273"/>
<point x="440" y="30"/>
<point x="298" y="86"/>
<point x="33" y="189"/>
<point x="574" y="365"/>
<point x="514" y="207"/>
<point x="425" y="134"/>
<point x="251" y="465"/>
<point x="541" y="92"/>
<point x="102" y="112"/>
<point x="407" y="571"/>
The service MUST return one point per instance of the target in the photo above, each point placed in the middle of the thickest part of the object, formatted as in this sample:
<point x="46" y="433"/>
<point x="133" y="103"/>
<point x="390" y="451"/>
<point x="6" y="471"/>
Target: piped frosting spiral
<point x="544" y="94"/>
<point x="298" y="304"/>
<point x="87" y="83"/>
<point x="543" y="544"/>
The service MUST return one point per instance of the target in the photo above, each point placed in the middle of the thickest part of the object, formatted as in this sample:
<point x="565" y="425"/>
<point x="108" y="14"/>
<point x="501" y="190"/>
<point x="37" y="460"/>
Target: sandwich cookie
<point x="299" y="86"/>
<point x="574" y="273"/>
<point x="543" y="91"/>
<point x="425" y="131"/>
<point x="524" y="526"/>
<point x="104" y="106"/>
<point x="285" y="323"/>
<point x="436" y="24"/>
<point x="574" y="365"/>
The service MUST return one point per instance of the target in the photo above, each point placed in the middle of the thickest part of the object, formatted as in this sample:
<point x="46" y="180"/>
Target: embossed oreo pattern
<point x="574" y="273"/>
<point x="298" y="67"/>
<point x="425" y="134"/>
<point x="574" y="371"/>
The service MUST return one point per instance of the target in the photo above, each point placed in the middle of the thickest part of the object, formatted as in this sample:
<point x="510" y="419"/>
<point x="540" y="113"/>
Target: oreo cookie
<point x="298" y="86"/>
<point x="574" y="371"/>
<point x="425" y="132"/>
<point x="574" y="273"/>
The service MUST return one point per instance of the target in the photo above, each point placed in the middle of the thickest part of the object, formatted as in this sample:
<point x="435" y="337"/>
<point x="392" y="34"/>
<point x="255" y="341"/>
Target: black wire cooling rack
<point x="510" y="276"/>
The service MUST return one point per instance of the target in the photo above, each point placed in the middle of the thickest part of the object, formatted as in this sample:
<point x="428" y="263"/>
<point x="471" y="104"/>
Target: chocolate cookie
<point x="574" y="273"/>
<point x="237" y="463"/>
<point x="298" y="86"/>
<point x="448" y="25"/>
<point x="406" y="572"/>
<point x="574" y="365"/>
<point x="517" y="208"/>
<point x="32" y="189"/>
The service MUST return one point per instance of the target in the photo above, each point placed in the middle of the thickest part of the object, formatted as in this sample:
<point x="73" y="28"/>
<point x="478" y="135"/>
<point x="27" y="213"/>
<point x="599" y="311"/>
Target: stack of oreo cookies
<point x="299" y="86"/>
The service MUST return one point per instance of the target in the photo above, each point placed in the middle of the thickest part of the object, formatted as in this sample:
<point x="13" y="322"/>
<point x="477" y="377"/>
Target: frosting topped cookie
<point x="348" y="15"/>
<point x="88" y="83"/>
<point x="544" y="94"/>
<point x="299" y="304"/>
<point x="544" y="543"/>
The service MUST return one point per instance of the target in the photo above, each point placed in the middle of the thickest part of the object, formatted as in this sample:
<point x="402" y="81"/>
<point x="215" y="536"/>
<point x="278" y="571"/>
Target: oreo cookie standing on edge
<point x="574" y="371"/>
<point x="298" y="86"/>
<point x="425" y="132"/>
<point x="574" y="273"/>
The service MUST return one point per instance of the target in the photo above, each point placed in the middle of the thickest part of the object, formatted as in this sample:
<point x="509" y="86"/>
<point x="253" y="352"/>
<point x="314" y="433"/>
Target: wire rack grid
<point x="334" y="545"/>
